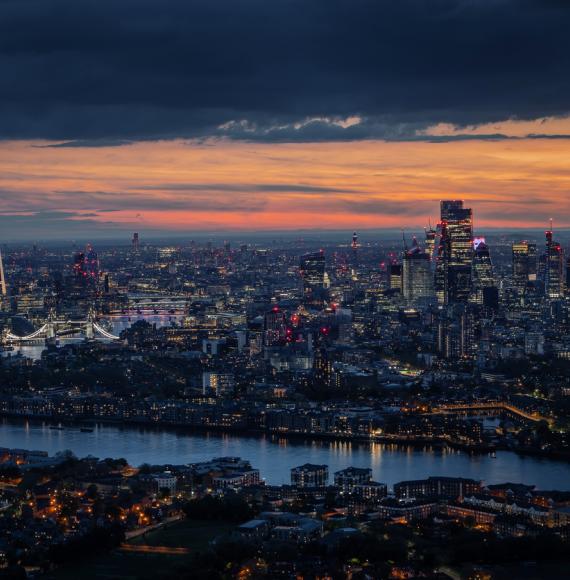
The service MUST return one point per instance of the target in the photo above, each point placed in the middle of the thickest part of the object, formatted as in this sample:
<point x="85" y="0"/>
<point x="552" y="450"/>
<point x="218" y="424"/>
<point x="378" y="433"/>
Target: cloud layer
<point x="100" y="72"/>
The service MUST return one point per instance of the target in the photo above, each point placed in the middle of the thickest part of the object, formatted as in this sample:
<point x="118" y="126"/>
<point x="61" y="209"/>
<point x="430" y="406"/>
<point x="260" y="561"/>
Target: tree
<point x="164" y="493"/>
<point x="92" y="492"/>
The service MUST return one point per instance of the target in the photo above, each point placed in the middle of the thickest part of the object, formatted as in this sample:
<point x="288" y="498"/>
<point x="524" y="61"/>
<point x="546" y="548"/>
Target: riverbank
<point x="416" y="442"/>
<point x="275" y="455"/>
<point x="412" y="442"/>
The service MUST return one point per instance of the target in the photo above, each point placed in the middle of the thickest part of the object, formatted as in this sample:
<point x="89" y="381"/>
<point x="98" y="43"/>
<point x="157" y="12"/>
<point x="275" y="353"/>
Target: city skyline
<point x="284" y="289"/>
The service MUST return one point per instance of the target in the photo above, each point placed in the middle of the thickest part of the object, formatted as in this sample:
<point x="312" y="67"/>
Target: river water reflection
<point x="275" y="457"/>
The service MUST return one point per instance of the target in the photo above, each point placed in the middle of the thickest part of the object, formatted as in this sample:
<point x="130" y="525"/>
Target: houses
<point x="441" y="487"/>
<point x="405" y="511"/>
<point x="527" y="510"/>
<point x="237" y="479"/>
<point x="283" y="526"/>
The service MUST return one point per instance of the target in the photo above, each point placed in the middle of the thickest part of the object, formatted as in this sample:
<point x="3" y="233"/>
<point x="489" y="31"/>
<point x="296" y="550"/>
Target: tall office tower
<point x="136" y="243"/>
<point x="417" y="276"/>
<point x="395" y="277"/>
<point x="322" y="368"/>
<point x="456" y="332"/>
<point x="3" y="285"/>
<point x="482" y="270"/>
<point x="354" y="243"/>
<point x="524" y="265"/>
<point x="275" y="327"/>
<point x="554" y="268"/>
<point x="441" y="252"/>
<point x="431" y="236"/>
<point x="458" y="251"/>
<point x="312" y="270"/>
<point x="567" y="276"/>
<point x="354" y="246"/>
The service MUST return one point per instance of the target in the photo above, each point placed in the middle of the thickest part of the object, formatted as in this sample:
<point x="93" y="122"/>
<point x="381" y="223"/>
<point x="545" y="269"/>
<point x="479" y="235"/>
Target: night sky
<point x="185" y="115"/>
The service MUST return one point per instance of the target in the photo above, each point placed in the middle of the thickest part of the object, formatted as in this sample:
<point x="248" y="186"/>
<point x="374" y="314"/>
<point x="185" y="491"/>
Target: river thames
<point x="275" y="457"/>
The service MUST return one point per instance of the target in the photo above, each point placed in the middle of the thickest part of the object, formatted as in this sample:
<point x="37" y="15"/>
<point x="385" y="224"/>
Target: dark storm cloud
<point x="114" y="71"/>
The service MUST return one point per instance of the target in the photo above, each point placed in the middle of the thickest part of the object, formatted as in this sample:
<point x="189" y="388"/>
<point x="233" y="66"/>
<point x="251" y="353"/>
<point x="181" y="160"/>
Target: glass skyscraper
<point x="524" y="265"/>
<point x="312" y="270"/>
<point x="417" y="275"/>
<point x="554" y="268"/>
<point x="454" y="282"/>
<point x="482" y="270"/>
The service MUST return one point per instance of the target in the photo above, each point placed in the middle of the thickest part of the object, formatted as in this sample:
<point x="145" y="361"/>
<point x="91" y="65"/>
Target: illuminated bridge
<point x="154" y="303"/>
<point x="63" y="328"/>
<point x="501" y="406"/>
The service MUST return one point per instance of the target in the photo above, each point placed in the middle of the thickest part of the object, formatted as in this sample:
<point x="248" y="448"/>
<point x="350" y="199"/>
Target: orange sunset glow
<point x="179" y="185"/>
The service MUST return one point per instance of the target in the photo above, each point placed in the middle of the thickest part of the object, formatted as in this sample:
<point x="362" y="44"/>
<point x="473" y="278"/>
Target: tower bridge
<point x="55" y="327"/>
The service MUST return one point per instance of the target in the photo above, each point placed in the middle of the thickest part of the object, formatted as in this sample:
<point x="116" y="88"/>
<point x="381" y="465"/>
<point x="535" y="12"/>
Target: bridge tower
<point x="50" y="325"/>
<point x="89" y="330"/>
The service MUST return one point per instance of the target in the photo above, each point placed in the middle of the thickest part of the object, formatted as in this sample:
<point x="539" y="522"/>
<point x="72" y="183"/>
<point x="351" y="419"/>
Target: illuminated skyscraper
<point x="457" y="249"/>
<point x="312" y="270"/>
<point x="354" y="246"/>
<point x="554" y="268"/>
<point x="322" y="368"/>
<point x="395" y="274"/>
<point x="431" y="236"/>
<point x="354" y="243"/>
<point x="417" y="275"/>
<point x="482" y="270"/>
<point x="275" y="327"/>
<point x="456" y="338"/>
<point x="524" y="265"/>
<point x="441" y="257"/>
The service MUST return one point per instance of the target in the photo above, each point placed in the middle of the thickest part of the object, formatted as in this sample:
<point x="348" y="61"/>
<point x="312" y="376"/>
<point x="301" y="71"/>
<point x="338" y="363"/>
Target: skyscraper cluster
<point x="456" y="267"/>
<point x="454" y="273"/>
